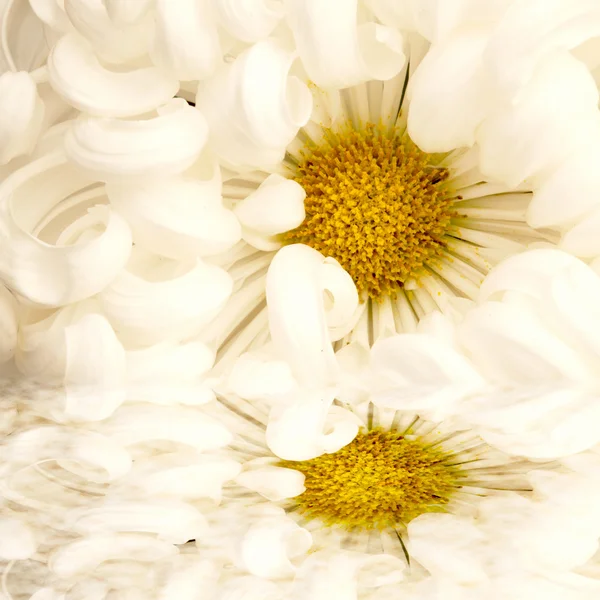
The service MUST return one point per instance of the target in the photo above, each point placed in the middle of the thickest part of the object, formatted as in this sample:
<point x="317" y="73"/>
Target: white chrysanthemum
<point x="159" y="219"/>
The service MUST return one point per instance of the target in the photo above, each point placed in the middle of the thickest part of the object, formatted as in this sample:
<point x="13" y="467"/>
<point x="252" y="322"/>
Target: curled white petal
<point x="8" y="325"/>
<point x="70" y="445"/>
<point x="87" y="553"/>
<point x="111" y="42"/>
<point x="267" y="547"/>
<point x="21" y="115"/>
<point x="335" y="50"/>
<point x="272" y="482"/>
<point x="163" y="145"/>
<point x="249" y="20"/>
<point x="454" y="65"/>
<point x="171" y="520"/>
<point x="17" y="539"/>
<point x="187" y="41"/>
<point x="275" y="207"/>
<point x="555" y="115"/>
<point x="152" y="301"/>
<point x="568" y="193"/>
<point x="341" y="296"/>
<point x="296" y="431"/>
<point x="254" y="376"/>
<point x="77" y="75"/>
<point x="184" y="425"/>
<point x="179" y="217"/>
<point x="127" y="12"/>
<point x="254" y="107"/>
<point x="297" y="314"/>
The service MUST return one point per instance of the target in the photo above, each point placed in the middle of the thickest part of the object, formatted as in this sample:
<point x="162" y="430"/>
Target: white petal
<point x="86" y="554"/>
<point x="335" y="50"/>
<point x="554" y="116"/>
<point x="69" y="445"/>
<point x="568" y="193"/>
<point x="267" y="547"/>
<point x="8" y="325"/>
<point x="583" y="239"/>
<point x="170" y="373"/>
<point x="446" y="545"/>
<point x="127" y="12"/>
<point x="78" y="76"/>
<point x="275" y="207"/>
<point x="250" y="588"/>
<point x="296" y="431"/>
<point x="146" y="423"/>
<point x="341" y="297"/>
<point x="455" y="66"/>
<point x="158" y="300"/>
<point x="528" y="272"/>
<point x="297" y="314"/>
<point x="185" y="476"/>
<point x="179" y="217"/>
<point x="523" y="40"/>
<point x="190" y="577"/>
<point x="511" y="346"/>
<point x="187" y="41"/>
<point x="17" y="540"/>
<point x="249" y="20"/>
<point x="173" y="521"/>
<point x="87" y="255"/>
<point x="110" y="41"/>
<point x="254" y="107"/>
<point x="21" y="115"/>
<point x="164" y="145"/>
<point x="52" y="14"/>
<point x="274" y="483"/>
<point x="253" y="377"/>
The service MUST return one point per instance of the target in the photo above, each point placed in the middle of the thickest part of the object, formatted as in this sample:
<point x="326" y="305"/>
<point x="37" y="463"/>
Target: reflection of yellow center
<point x="379" y="480"/>
<point x="375" y="204"/>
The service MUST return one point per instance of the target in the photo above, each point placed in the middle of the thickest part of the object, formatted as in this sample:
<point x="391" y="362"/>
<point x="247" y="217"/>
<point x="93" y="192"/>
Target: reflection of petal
<point x="155" y="299"/>
<point x="93" y="251"/>
<point x="163" y="145"/>
<point x="78" y="76"/>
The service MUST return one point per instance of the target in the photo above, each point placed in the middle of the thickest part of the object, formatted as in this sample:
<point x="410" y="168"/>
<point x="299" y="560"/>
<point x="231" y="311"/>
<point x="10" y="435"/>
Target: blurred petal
<point x="112" y="149"/>
<point x="17" y="539"/>
<point x="253" y="377"/>
<point x="187" y="41"/>
<point x="78" y="76"/>
<point x="254" y="108"/>
<point x="8" y="325"/>
<point x="21" y="115"/>
<point x="335" y="50"/>
<point x="583" y="239"/>
<point x="127" y="12"/>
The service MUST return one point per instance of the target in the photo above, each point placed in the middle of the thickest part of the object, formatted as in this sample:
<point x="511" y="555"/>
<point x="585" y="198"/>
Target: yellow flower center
<point x="380" y="480"/>
<point x="375" y="204"/>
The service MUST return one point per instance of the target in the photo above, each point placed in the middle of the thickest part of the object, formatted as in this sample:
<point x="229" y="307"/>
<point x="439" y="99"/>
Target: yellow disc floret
<point x="375" y="204"/>
<point x="380" y="480"/>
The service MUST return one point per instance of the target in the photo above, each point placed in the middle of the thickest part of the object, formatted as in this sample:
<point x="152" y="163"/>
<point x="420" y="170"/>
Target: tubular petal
<point x="78" y="76"/>
<point x="254" y="107"/>
<point x="112" y="149"/>
<point x="21" y="115"/>
<point x="335" y="50"/>
<point x="187" y="41"/>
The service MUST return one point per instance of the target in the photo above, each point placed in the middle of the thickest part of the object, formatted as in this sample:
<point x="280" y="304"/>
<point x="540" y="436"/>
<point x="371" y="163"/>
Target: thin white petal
<point x="249" y="20"/>
<point x="78" y="76"/>
<point x="187" y="40"/>
<point x="21" y="115"/>
<point x="254" y="107"/>
<point x="335" y="50"/>
<point x="163" y="145"/>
